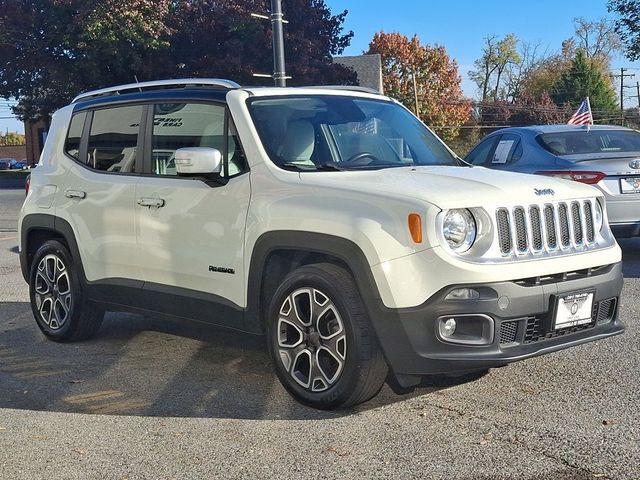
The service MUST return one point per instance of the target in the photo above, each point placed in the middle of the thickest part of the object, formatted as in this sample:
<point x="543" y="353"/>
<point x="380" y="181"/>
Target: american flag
<point x="583" y="115"/>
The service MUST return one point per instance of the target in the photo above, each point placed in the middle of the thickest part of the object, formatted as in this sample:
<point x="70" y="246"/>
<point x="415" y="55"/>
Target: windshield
<point x="590" y="142"/>
<point x="338" y="132"/>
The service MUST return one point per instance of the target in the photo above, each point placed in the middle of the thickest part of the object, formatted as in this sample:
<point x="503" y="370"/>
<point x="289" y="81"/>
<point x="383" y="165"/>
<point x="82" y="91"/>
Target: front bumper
<point x="522" y="317"/>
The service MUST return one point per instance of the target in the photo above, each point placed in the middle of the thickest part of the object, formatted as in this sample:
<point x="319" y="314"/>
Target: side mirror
<point x="198" y="161"/>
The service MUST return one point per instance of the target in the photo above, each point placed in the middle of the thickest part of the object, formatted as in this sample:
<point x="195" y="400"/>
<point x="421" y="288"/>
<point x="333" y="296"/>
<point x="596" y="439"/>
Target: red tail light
<point x="581" y="176"/>
<point x="27" y="184"/>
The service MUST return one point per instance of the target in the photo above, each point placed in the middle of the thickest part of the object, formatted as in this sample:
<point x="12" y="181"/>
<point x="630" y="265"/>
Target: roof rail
<point x="354" y="88"/>
<point x="132" y="87"/>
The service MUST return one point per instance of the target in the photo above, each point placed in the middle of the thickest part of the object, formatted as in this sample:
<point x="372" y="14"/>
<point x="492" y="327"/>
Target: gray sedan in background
<point x="605" y="156"/>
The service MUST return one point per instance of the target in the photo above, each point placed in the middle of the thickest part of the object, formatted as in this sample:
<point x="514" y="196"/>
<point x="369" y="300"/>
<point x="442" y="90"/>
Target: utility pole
<point x="277" y="32"/>
<point x="279" y="75"/>
<point x="622" y="76"/>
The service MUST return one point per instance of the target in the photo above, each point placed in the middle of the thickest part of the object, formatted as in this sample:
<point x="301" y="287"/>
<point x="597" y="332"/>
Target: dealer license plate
<point x="630" y="185"/>
<point x="574" y="309"/>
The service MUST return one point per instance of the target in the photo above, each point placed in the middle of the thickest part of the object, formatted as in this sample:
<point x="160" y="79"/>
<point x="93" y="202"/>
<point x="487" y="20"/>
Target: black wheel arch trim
<point x="386" y="321"/>
<point x="56" y="225"/>
<point x="345" y="250"/>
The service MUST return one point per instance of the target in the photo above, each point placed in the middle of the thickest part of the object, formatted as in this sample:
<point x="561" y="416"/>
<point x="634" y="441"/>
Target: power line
<point x="622" y="76"/>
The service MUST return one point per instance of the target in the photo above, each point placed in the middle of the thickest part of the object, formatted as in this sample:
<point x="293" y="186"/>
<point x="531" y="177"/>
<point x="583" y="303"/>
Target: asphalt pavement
<point x="153" y="398"/>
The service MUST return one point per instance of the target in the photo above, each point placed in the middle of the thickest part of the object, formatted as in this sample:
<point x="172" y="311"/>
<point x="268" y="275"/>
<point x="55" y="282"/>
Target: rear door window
<point x="113" y="139"/>
<point x="508" y="150"/>
<point x="480" y="154"/>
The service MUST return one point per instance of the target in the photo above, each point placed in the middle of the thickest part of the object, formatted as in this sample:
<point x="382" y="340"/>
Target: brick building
<point x="35" y="134"/>
<point x="19" y="152"/>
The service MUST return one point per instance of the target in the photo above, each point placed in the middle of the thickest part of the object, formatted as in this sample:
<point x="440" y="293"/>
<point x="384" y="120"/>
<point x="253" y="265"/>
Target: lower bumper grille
<point x="508" y="332"/>
<point x="537" y="330"/>
<point x="540" y="328"/>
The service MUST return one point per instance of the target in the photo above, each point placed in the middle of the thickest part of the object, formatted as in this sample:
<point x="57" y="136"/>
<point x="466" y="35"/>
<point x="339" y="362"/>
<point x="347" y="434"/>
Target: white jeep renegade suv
<point x="329" y="219"/>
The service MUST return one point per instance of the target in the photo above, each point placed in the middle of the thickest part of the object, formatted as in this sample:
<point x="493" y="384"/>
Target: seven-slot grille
<point x="537" y="228"/>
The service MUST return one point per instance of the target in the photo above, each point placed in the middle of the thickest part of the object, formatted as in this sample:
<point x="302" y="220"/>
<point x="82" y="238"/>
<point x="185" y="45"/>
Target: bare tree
<point x="532" y="56"/>
<point x="497" y="56"/>
<point x="597" y="39"/>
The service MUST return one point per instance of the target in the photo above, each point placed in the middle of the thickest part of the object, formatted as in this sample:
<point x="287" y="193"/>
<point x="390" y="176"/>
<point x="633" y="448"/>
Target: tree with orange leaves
<point x="424" y="79"/>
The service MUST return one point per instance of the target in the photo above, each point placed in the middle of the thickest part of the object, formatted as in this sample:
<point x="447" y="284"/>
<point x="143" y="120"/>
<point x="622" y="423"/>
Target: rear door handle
<point x="151" y="202"/>
<point x="75" y="194"/>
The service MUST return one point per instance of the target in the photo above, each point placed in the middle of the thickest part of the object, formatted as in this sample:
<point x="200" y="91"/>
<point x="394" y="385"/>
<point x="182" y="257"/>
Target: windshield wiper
<point x="329" y="166"/>
<point x="296" y="166"/>
<point x="311" y="168"/>
<point x="378" y="166"/>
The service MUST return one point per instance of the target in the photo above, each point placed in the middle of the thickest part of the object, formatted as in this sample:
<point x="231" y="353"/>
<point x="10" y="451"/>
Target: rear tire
<point x="322" y="344"/>
<point x="60" y="306"/>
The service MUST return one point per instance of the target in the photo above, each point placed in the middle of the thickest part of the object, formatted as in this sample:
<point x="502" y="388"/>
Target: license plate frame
<point x="629" y="185"/>
<point x="573" y="309"/>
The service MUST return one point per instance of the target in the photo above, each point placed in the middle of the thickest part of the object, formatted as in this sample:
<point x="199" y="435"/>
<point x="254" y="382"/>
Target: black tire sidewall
<point x="58" y="249"/>
<point x="342" y="390"/>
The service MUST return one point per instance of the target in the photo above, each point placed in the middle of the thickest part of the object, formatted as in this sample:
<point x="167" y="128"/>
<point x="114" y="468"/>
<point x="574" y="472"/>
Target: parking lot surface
<point x="153" y="398"/>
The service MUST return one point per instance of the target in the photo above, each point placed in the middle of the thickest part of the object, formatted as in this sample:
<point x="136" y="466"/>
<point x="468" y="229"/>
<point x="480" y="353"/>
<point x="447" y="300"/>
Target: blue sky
<point x="461" y="25"/>
<point x="458" y="25"/>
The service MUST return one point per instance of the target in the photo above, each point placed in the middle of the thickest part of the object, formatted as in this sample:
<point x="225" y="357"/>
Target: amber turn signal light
<point x="415" y="227"/>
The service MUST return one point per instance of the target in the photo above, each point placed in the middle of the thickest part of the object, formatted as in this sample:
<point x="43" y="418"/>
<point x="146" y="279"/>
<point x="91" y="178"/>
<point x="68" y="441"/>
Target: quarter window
<point x="74" y="136"/>
<point x="113" y="139"/>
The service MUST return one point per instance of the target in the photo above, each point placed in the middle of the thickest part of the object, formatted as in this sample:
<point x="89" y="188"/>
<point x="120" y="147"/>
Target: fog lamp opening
<point x="466" y="329"/>
<point x="449" y="327"/>
<point x="463" y="294"/>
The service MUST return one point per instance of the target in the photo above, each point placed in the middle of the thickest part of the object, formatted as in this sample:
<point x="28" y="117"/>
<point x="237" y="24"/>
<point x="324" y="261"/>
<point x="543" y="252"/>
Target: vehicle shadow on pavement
<point x="141" y="365"/>
<point x="631" y="257"/>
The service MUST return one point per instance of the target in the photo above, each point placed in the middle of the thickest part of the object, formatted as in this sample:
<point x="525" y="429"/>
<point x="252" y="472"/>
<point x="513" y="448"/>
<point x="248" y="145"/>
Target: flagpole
<point x="590" y="115"/>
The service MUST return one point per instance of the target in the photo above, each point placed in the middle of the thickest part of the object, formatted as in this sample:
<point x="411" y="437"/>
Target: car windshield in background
<point x="591" y="142"/>
<point x="344" y="133"/>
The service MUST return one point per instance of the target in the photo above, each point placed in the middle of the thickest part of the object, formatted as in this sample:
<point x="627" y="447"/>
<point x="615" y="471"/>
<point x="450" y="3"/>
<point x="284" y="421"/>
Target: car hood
<point x="453" y="187"/>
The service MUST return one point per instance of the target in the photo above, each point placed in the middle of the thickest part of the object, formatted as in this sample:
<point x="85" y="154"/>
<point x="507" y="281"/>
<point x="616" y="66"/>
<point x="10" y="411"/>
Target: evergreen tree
<point x="585" y="79"/>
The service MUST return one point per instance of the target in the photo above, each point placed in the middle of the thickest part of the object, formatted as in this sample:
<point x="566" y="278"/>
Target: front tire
<point x="321" y="341"/>
<point x="61" y="309"/>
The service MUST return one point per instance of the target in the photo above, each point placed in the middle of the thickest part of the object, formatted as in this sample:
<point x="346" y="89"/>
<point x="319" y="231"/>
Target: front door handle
<point x="75" y="194"/>
<point x="151" y="202"/>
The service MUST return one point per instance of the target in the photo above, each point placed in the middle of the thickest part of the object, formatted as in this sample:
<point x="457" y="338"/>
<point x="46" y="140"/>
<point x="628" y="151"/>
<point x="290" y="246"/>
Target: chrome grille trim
<point x="504" y="230"/>
<point x="588" y="220"/>
<point x="576" y="220"/>
<point x="548" y="228"/>
<point x="563" y="221"/>
<point x="536" y="227"/>
<point x="521" y="229"/>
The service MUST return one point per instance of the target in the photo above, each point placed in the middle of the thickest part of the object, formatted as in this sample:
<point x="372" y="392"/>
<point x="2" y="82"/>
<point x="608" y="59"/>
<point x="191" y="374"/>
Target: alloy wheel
<point x="312" y="341"/>
<point x="53" y="292"/>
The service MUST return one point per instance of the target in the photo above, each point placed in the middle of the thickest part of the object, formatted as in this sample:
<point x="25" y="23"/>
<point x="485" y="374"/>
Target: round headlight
<point x="459" y="230"/>
<point x="598" y="216"/>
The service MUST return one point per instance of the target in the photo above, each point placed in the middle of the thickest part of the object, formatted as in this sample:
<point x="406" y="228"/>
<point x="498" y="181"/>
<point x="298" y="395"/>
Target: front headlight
<point x="598" y="216"/>
<point x="459" y="230"/>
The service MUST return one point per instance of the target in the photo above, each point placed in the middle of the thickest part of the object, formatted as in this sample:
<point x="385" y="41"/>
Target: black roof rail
<point x="132" y="87"/>
<point x="354" y="88"/>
